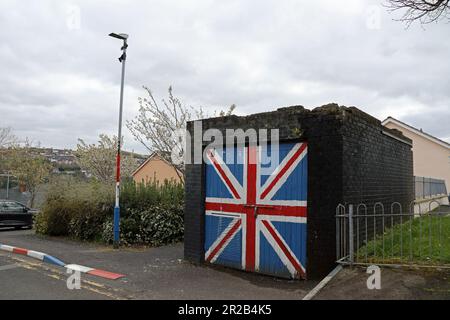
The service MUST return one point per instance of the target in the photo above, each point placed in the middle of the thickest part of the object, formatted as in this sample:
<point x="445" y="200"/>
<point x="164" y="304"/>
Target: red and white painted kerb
<point x="52" y="260"/>
<point x="95" y="272"/>
<point x="33" y="254"/>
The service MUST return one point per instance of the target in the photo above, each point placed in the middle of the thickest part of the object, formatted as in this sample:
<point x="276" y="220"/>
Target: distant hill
<point x="65" y="160"/>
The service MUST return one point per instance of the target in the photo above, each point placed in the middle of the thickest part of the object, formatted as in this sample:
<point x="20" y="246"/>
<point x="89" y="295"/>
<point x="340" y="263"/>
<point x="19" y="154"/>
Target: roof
<point x="152" y="156"/>
<point x="416" y="131"/>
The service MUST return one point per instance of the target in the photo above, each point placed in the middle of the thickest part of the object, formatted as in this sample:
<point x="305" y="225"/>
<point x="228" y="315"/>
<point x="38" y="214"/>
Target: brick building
<point x="351" y="158"/>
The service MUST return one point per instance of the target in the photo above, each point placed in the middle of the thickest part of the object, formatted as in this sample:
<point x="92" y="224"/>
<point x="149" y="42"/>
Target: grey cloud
<point x="59" y="84"/>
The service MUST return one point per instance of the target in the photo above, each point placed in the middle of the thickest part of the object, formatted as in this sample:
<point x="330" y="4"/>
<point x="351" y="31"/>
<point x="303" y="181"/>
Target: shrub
<point x="150" y="214"/>
<point x="74" y="208"/>
<point x="140" y="195"/>
<point x="156" y="225"/>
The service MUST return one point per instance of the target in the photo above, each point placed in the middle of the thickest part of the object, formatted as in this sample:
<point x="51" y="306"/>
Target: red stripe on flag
<point x="284" y="170"/>
<point x="224" y="207"/>
<point x="252" y="157"/>
<point x="283" y="247"/>
<point x="288" y="211"/>
<point x="223" y="175"/>
<point x="229" y="234"/>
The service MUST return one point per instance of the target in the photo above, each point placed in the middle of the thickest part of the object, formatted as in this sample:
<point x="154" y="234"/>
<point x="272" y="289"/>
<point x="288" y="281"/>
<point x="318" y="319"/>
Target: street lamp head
<point x="121" y="36"/>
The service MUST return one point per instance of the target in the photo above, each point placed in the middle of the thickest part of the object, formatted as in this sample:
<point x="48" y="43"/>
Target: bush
<point x="150" y="214"/>
<point x="74" y="208"/>
<point x="156" y="225"/>
<point x="139" y="195"/>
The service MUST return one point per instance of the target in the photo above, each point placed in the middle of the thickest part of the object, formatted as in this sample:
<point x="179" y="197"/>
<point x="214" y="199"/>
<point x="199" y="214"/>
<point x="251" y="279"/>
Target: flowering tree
<point x="100" y="159"/>
<point x="159" y="126"/>
<point x="28" y="167"/>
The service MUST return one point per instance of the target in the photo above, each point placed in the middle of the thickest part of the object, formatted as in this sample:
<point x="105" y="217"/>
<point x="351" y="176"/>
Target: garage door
<point x="256" y="210"/>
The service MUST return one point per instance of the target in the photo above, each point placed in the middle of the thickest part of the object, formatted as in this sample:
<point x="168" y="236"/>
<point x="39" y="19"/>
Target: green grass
<point x="416" y="245"/>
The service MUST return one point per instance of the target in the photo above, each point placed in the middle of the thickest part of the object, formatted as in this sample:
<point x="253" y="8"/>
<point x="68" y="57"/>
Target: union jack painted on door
<point x="255" y="211"/>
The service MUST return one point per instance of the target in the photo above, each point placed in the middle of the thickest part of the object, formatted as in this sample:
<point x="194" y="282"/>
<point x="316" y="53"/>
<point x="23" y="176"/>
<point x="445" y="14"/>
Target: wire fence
<point x="393" y="236"/>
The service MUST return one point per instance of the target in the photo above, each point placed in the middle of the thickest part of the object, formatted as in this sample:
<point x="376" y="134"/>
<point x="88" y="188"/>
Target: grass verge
<point x="420" y="240"/>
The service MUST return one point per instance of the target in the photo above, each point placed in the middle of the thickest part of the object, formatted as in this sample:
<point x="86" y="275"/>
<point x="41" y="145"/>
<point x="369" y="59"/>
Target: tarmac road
<point x="26" y="279"/>
<point x="151" y="273"/>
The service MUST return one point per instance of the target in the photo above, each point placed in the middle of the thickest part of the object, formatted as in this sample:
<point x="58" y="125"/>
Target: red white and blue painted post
<point x="122" y="59"/>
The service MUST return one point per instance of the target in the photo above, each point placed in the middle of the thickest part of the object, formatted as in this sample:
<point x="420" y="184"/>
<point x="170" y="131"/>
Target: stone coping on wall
<point x="330" y="109"/>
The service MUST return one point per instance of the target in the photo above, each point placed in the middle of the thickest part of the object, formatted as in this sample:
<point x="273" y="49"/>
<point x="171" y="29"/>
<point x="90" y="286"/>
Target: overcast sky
<point x="60" y="75"/>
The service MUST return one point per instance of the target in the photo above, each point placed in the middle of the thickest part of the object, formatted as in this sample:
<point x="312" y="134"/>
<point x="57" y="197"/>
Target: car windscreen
<point x="11" y="206"/>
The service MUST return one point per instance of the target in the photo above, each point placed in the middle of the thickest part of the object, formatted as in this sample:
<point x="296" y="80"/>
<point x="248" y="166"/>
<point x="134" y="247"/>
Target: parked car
<point x="15" y="214"/>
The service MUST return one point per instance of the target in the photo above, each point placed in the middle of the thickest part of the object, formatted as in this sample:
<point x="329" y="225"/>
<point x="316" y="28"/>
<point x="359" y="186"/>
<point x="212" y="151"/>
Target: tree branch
<point x="424" y="11"/>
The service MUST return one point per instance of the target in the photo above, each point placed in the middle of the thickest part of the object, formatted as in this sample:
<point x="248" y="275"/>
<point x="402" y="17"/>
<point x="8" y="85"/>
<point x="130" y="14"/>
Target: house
<point x="431" y="155"/>
<point x="155" y="169"/>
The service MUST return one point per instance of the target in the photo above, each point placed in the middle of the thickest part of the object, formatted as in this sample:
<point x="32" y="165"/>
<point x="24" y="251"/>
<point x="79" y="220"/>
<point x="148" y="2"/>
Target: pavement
<point x="396" y="284"/>
<point x="150" y="273"/>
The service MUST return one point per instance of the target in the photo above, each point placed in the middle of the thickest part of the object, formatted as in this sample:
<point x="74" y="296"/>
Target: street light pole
<point x="122" y="59"/>
<point x="7" y="186"/>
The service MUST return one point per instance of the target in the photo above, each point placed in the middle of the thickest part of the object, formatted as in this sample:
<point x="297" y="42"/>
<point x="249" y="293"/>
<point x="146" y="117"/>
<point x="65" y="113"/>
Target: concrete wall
<point x="431" y="160"/>
<point x="350" y="160"/>
<point x="155" y="169"/>
<point x="425" y="205"/>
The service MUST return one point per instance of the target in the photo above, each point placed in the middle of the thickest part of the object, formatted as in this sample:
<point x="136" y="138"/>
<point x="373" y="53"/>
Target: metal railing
<point x="5" y="183"/>
<point x="10" y="190"/>
<point x="429" y="187"/>
<point x="393" y="237"/>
